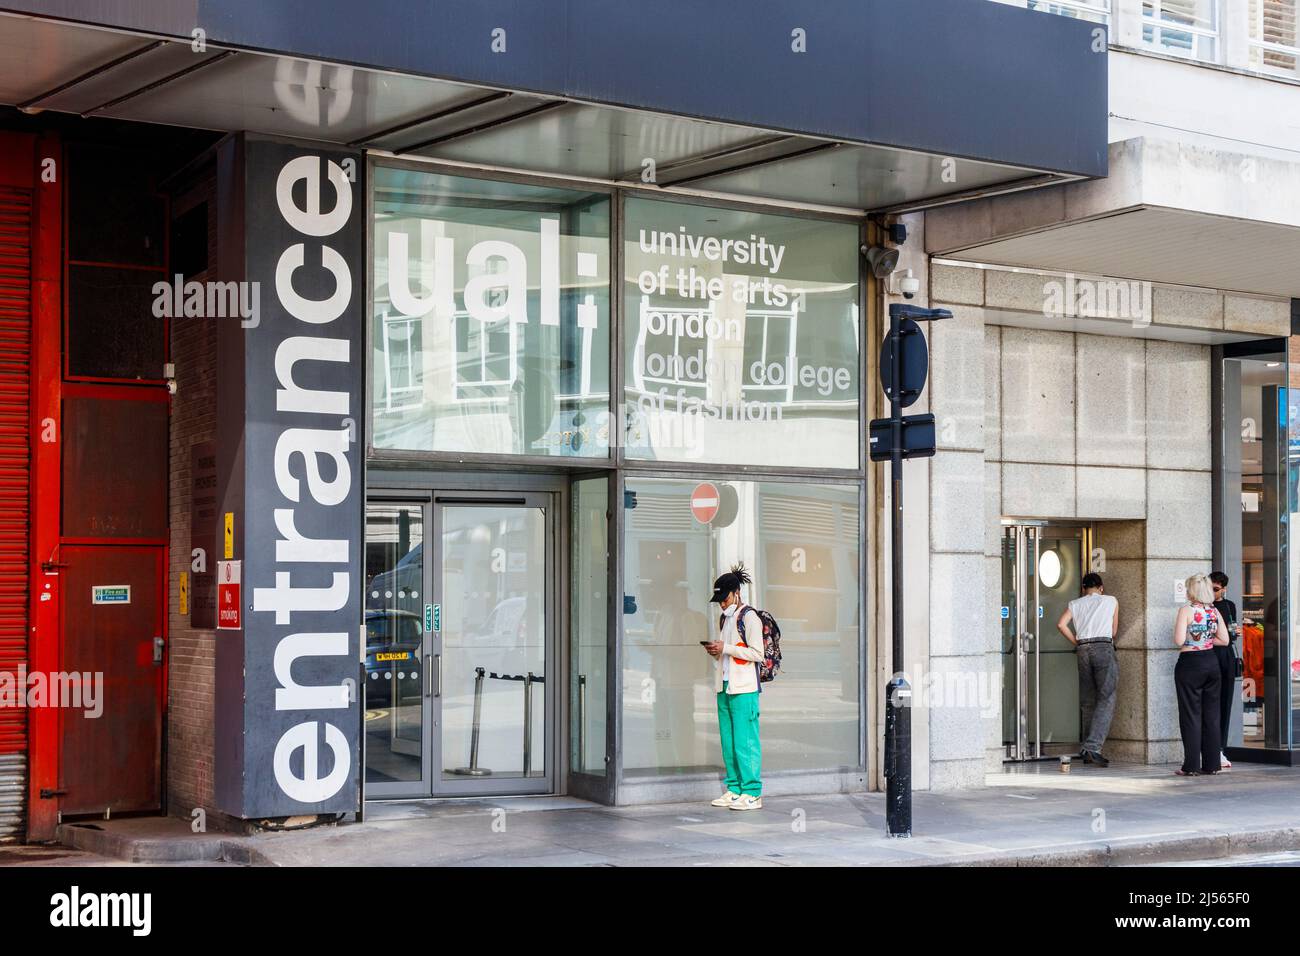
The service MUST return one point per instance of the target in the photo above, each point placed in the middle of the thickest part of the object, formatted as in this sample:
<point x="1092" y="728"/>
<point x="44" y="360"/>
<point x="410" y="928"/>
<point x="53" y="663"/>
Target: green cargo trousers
<point x="742" y="752"/>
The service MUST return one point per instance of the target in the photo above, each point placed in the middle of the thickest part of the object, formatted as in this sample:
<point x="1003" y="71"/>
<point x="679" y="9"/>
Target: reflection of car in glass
<point x="402" y="583"/>
<point x="393" y="652"/>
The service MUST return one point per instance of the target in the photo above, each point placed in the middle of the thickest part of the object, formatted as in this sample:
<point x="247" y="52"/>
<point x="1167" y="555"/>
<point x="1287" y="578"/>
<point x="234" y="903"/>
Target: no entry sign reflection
<point x="704" y="502"/>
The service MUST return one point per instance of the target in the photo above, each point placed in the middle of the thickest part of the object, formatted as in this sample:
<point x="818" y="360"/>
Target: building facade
<point x="1117" y="397"/>
<point x="381" y="412"/>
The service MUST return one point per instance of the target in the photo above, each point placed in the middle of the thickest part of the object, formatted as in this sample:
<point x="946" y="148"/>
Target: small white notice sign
<point x="1180" y="591"/>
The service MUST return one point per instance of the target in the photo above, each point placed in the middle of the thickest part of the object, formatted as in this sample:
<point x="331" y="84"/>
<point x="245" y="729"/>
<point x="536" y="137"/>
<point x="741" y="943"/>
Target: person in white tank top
<point x="1095" y="616"/>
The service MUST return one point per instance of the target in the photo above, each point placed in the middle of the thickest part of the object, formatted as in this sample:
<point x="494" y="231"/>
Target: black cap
<point x="729" y="583"/>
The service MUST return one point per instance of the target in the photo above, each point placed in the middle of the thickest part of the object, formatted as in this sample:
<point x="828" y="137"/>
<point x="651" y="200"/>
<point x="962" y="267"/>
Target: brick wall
<point x="191" y="650"/>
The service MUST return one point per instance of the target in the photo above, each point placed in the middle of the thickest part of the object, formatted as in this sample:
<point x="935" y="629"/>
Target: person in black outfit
<point x="1227" y="658"/>
<point x="1197" y="629"/>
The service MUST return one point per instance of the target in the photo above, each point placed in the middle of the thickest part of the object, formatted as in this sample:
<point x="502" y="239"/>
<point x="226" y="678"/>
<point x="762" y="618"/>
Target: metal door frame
<point x="426" y="490"/>
<point x="1028" y="628"/>
<point x="405" y="788"/>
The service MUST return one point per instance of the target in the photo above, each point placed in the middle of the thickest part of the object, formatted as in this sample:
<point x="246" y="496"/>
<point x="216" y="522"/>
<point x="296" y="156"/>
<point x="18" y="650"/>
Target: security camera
<point x="906" y="284"/>
<point x="909" y="285"/>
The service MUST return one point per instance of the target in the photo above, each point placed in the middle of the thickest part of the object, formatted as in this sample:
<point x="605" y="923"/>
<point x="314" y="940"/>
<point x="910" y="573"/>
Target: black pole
<point x="898" y="694"/>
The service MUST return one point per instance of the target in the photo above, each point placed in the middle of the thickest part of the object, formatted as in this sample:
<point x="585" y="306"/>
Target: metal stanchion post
<point x="474" y="770"/>
<point x="528" y="724"/>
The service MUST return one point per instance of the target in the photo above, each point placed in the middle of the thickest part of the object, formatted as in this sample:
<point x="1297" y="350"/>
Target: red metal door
<point x="112" y="680"/>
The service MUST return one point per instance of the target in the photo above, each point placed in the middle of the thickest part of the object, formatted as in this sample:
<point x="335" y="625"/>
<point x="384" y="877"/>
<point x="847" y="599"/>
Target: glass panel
<point x="1289" y="483"/>
<point x="1060" y="577"/>
<point x="493" y="641"/>
<point x="491" y="321"/>
<point x="114" y="213"/>
<point x="394" y="693"/>
<point x="1029" y="700"/>
<point x="590" y="542"/>
<point x="1274" y="43"/>
<point x="1181" y="27"/>
<point x="112" y="330"/>
<point x="1098" y="11"/>
<point x="1255" y="543"/>
<point x="741" y="336"/>
<point x="1010" y="624"/>
<point x="800" y="542"/>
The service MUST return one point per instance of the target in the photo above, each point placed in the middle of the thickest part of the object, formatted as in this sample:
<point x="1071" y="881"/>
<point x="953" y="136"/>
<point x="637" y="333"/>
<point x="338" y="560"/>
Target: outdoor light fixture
<point x="882" y="261"/>
<point x="1049" y="569"/>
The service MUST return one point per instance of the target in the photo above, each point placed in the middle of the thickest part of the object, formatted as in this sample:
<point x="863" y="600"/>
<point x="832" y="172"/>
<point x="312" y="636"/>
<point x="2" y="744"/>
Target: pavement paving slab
<point x="1026" y="817"/>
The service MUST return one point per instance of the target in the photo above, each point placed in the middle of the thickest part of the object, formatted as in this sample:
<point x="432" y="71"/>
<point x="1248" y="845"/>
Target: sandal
<point x="1185" y="773"/>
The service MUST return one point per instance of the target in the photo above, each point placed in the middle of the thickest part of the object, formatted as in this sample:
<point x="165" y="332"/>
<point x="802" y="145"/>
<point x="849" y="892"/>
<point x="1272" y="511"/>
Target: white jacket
<point x="743" y="678"/>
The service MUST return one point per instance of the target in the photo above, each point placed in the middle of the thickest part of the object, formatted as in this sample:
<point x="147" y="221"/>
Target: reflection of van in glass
<point x="400" y="584"/>
<point x="507" y="624"/>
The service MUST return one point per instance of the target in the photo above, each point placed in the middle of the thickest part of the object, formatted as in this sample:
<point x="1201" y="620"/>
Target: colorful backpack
<point x="767" y="670"/>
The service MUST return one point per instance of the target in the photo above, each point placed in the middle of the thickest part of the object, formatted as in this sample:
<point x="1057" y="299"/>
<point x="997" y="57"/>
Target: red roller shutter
<point x="15" y="360"/>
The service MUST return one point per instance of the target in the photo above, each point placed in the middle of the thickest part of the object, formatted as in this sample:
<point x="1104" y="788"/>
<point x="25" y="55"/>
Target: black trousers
<point x="1227" y="657"/>
<point x="1198" y="684"/>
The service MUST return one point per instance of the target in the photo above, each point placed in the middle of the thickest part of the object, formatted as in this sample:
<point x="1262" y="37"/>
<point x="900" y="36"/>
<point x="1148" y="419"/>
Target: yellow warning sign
<point x="229" y="551"/>
<point x="185" y="592"/>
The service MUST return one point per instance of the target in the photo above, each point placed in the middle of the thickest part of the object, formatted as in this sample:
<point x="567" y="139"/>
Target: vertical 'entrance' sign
<point x="296" y="486"/>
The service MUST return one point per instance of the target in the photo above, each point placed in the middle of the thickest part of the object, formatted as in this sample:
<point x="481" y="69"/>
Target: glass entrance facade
<point x="1256" y="498"/>
<point x="684" y="377"/>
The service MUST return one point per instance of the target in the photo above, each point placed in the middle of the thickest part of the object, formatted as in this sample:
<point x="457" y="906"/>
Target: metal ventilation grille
<point x="808" y="517"/>
<point x="664" y="514"/>
<point x="15" y="385"/>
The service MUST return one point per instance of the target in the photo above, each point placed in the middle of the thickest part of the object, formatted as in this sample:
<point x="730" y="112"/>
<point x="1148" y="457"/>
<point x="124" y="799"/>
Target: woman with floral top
<point x="1197" y="629"/>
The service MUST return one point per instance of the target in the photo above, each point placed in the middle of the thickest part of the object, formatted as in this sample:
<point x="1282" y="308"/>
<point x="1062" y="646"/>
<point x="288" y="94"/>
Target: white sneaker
<point x="726" y="800"/>
<point x="1224" y="762"/>
<point x="746" y="802"/>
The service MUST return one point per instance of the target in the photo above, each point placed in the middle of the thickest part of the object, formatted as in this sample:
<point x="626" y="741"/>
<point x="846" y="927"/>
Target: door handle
<point x="433" y="682"/>
<point x="157" y="650"/>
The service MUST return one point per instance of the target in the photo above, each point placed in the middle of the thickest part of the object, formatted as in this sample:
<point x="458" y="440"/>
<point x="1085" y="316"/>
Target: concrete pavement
<point x="1030" y="817"/>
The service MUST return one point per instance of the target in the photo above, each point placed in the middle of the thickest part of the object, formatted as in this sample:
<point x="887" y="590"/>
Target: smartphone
<point x="705" y="643"/>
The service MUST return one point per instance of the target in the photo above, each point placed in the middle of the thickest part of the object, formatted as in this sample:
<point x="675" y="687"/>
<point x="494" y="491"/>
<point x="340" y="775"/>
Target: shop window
<point x="801" y="542"/>
<point x="741" y="338"/>
<point x="491" y="316"/>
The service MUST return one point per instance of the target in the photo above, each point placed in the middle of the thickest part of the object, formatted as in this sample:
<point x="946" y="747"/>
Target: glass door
<point x="459" y="635"/>
<point x="493" y="691"/>
<point x="397" y="649"/>
<point x="1042" y="570"/>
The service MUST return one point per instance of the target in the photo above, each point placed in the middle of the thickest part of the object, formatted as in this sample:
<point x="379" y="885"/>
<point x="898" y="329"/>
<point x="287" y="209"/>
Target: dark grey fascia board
<point x="969" y="79"/>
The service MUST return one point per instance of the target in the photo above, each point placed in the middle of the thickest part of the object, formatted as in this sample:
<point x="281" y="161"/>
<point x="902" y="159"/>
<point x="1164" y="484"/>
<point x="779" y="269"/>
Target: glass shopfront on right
<point x="1257" y="483"/>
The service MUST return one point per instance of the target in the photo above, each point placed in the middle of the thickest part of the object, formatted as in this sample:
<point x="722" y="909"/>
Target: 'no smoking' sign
<point x="704" y="502"/>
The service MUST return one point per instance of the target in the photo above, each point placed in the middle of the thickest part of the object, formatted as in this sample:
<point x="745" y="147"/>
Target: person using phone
<point x="736" y="684"/>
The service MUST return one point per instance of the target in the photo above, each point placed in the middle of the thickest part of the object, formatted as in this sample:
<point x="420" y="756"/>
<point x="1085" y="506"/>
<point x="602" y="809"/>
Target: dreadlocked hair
<point x="738" y="569"/>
